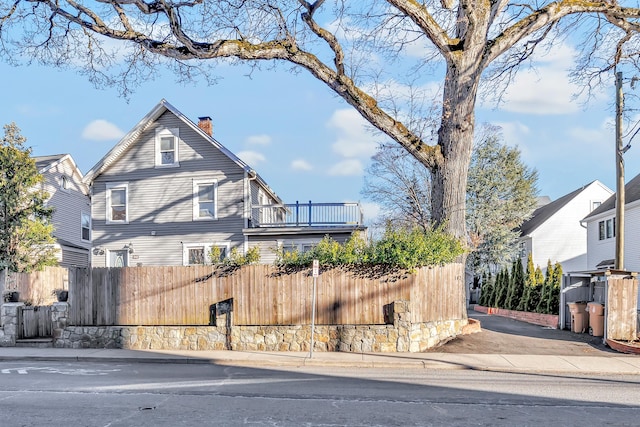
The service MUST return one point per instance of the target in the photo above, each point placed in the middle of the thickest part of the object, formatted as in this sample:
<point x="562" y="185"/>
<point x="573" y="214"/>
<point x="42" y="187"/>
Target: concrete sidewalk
<point x="602" y="364"/>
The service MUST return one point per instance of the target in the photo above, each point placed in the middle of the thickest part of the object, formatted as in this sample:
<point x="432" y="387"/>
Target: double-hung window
<point x="85" y="224"/>
<point x="167" y="147"/>
<point x="117" y="203"/>
<point x="205" y="195"/>
<point x="607" y="229"/>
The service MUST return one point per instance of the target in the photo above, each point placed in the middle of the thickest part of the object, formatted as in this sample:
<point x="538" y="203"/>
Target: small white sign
<point x="316" y="267"/>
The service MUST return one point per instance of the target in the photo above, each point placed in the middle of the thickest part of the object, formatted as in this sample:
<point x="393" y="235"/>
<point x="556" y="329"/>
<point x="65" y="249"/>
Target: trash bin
<point x="596" y="318"/>
<point x="579" y="318"/>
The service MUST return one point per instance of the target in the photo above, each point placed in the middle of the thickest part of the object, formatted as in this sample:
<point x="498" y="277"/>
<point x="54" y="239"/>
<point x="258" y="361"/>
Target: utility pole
<point x="620" y="196"/>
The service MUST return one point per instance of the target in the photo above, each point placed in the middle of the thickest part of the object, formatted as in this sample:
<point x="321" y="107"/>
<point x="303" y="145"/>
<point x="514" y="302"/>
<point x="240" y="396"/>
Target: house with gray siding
<point x="168" y="192"/>
<point x="69" y="197"/>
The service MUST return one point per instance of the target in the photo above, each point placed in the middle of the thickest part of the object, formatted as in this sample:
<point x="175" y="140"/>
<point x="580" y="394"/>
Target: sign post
<point x="316" y="269"/>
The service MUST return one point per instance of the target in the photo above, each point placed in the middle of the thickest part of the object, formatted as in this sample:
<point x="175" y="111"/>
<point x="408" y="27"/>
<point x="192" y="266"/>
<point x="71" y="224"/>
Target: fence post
<point x="297" y="211"/>
<point x="309" y="213"/>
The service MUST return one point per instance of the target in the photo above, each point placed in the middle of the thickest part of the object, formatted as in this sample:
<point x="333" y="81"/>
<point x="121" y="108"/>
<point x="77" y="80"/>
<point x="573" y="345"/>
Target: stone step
<point x="35" y="343"/>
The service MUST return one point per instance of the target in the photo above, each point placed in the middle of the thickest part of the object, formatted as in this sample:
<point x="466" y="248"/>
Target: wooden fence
<point x="622" y="308"/>
<point x="262" y="295"/>
<point x="35" y="322"/>
<point x="37" y="288"/>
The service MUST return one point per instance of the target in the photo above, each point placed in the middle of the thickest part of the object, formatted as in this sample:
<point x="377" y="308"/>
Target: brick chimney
<point x="206" y="125"/>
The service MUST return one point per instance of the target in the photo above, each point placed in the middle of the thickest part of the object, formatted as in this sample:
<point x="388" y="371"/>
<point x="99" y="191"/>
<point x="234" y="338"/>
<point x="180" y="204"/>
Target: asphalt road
<point x="501" y="335"/>
<point x="110" y="395"/>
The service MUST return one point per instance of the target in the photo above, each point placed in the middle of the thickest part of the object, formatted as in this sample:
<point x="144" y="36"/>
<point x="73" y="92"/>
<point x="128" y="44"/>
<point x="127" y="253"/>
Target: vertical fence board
<point x="622" y="306"/>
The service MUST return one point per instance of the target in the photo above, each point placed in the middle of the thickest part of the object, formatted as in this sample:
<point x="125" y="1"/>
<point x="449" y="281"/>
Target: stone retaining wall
<point x="401" y="336"/>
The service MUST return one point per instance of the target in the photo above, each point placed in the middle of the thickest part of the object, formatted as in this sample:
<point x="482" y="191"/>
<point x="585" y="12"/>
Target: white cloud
<point x="101" y="130"/>
<point x="259" y="140"/>
<point x="546" y="89"/>
<point x="301" y="165"/>
<point x="515" y="133"/>
<point x="349" y="167"/>
<point x="353" y="139"/>
<point x="599" y="136"/>
<point x="251" y="157"/>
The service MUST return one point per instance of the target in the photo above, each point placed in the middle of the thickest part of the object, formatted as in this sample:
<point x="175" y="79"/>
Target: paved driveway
<point x="501" y="335"/>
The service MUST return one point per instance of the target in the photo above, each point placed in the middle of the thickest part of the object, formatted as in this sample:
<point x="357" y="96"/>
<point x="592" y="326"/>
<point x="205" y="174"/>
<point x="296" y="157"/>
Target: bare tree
<point x="400" y="186"/>
<point x="347" y="45"/>
<point x="501" y="195"/>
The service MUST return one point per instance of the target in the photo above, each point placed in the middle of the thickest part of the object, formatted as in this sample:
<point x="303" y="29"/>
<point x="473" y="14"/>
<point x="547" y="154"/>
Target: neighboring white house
<point x="555" y="232"/>
<point x="601" y="231"/>
<point x="72" y="208"/>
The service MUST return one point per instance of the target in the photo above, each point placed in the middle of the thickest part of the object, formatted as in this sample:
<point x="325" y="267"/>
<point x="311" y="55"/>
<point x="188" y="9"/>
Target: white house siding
<point x="562" y="238"/>
<point x="632" y="238"/>
<point x="68" y="205"/>
<point x="160" y="200"/>
<point x="600" y="250"/>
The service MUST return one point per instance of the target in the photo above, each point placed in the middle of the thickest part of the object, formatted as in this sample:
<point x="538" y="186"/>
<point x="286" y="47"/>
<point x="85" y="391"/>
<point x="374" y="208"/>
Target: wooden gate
<point x="35" y="322"/>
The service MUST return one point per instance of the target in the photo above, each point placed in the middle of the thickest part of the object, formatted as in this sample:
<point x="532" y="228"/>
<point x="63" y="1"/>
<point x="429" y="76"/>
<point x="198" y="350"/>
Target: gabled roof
<point x="543" y="213"/>
<point x="45" y="163"/>
<point x="631" y="194"/>
<point x="134" y="134"/>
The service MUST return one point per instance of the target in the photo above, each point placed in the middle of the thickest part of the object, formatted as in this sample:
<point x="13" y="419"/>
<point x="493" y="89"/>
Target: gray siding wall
<point x="69" y="204"/>
<point x="71" y="257"/>
<point x="160" y="200"/>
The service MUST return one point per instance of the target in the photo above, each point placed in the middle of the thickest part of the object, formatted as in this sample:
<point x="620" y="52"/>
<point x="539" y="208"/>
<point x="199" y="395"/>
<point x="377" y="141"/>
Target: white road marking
<point x="61" y="371"/>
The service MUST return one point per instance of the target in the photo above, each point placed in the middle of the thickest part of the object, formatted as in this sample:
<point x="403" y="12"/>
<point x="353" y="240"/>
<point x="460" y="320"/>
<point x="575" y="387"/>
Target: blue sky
<point x="303" y="140"/>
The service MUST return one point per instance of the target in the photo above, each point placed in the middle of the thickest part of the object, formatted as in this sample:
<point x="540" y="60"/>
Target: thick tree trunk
<point x="455" y="138"/>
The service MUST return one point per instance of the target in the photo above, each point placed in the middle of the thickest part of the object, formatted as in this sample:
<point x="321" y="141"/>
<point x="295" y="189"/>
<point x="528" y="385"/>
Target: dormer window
<point x="167" y="143"/>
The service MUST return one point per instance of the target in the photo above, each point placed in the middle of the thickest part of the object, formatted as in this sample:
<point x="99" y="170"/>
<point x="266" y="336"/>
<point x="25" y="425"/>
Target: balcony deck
<point x="307" y="215"/>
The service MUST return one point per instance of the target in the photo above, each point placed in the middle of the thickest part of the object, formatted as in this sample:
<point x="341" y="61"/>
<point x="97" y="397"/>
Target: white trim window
<point x="224" y="247"/>
<point x="65" y="184"/>
<point x="117" y="203"/>
<point x="205" y="200"/>
<point x="607" y="229"/>
<point x="85" y="226"/>
<point x="167" y="144"/>
<point x="199" y="253"/>
<point x="301" y="246"/>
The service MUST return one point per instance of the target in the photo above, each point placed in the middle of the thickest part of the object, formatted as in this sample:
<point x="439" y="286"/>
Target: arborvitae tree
<point x="536" y="294"/>
<point x="26" y="241"/>
<point x="503" y="289"/>
<point x="529" y="285"/>
<point x="546" y="289"/>
<point x="487" y="291"/>
<point x="496" y="290"/>
<point x="484" y="290"/>
<point x="553" y="299"/>
<point x="517" y="285"/>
